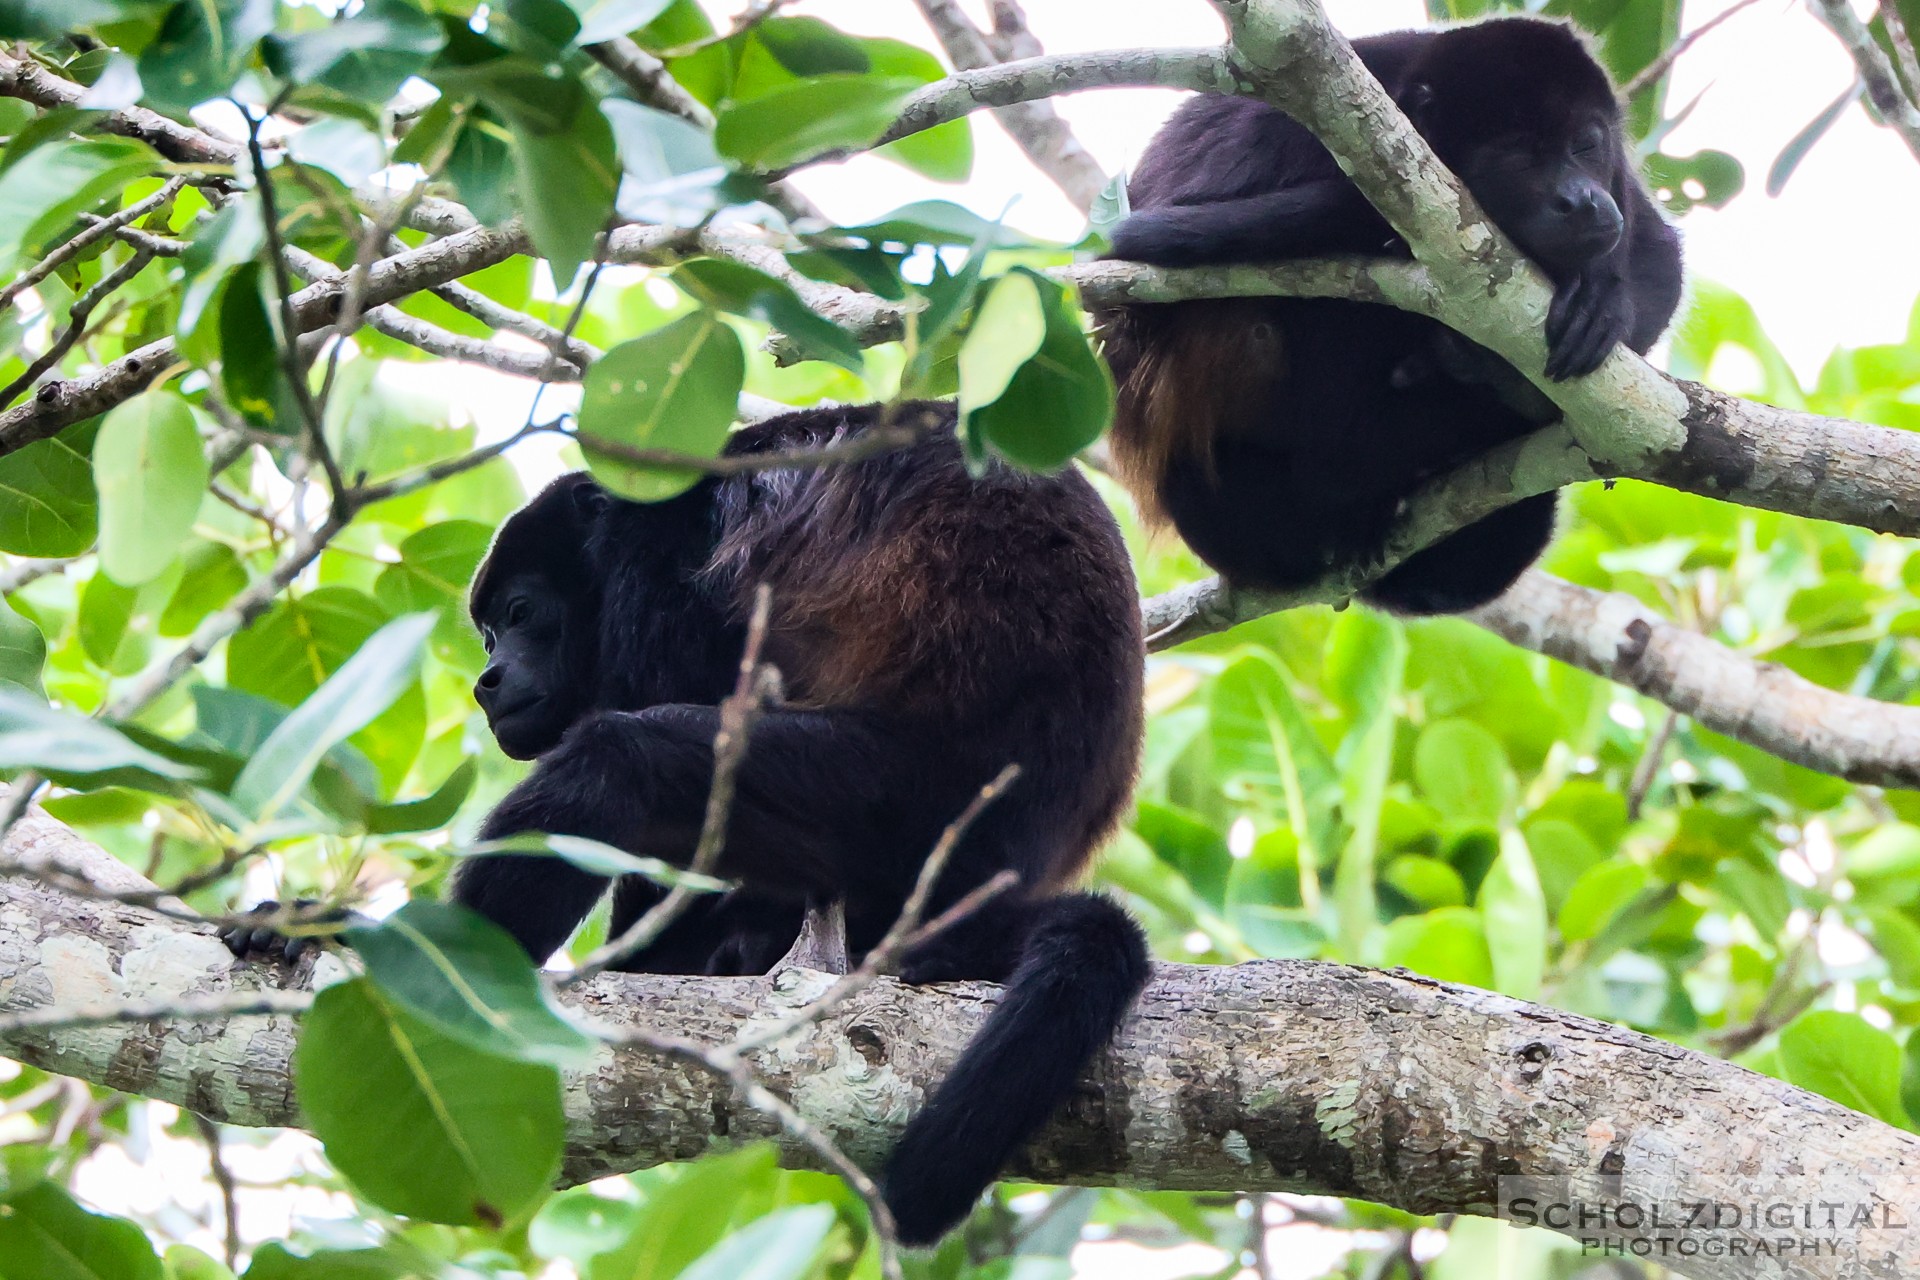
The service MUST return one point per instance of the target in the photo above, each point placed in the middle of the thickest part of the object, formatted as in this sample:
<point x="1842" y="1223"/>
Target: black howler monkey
<point x="930" y="627"/>
<point x="1280" y="436"/>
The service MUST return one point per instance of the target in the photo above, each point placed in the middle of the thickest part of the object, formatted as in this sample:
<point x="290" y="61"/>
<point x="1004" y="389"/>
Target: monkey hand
<point x="253" y="938"/>
<point x="1590" y="315"/>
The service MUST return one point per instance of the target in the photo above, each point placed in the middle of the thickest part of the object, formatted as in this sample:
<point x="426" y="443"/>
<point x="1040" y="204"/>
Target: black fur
<point x="931" y="628"/>
<point x="1280" y="436"/>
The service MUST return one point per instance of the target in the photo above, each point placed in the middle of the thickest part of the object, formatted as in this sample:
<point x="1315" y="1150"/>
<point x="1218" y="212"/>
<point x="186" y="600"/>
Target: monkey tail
<point x="1083" y="962"/>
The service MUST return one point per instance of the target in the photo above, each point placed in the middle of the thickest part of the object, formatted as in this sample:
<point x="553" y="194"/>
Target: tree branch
<point x="1897" y="111"/>
<point x="1033" y="124"/>
<point x="1006" y="84"/>
<point x="1613" y="635"/>
<point x="1288" y="1075"/>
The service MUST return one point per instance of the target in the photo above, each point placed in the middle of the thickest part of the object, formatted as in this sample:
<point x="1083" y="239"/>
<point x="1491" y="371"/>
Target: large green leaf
<point x="568" y="179"/>
<point x="366" y="55"/>
<point x="150" y="473"/>
<point x="201" y="49"/>
<point x="287" y="654"/>
<point x="47" y="503"/>
<point x="71" y="748"/>
<point x="1057" y="402"/>
<point x="734" y="287"/>
<point x="1449" y="944"/>
<point x="781" y="1246"/>
<point x="422" y="1124"/>
<point x="1515" y="913"/>
<point x="804" y="119"/>
<point x="23" y="652"/>
<point x="1463" y="770"/>
<point x="690" y="1215"/>
<point x="467" y="977"/>
<point x="369" y="682"/>
<point x="1846" y="1058"/>
<point x="674" y="389"/>
<point x="46" y="1235"/>
<point x="44" y="190"/>
<point x="436" y="564"/>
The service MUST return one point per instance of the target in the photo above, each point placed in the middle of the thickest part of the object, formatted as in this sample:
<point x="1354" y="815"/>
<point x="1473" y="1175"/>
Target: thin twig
<point x="1659" y="67"/>
<point x="290" y="329"/>
<point x="1649" y="767"/>
<point x="18" y="575"/>
<point x="76" y="324"/>
<point x="179" y="1008"/>
<point x="98" y="227"/>
<point x="868" y="444"/>
<point x="158" y="246"/>
<point x="223" y="1178"/>
<point x="738" y="712"/>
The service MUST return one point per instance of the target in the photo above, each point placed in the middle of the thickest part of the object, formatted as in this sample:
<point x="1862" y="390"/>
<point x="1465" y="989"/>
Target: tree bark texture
<point x="1267" y="1076"/>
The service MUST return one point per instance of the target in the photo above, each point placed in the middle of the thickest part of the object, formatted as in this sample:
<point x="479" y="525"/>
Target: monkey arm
<point x="1321" y="216"/>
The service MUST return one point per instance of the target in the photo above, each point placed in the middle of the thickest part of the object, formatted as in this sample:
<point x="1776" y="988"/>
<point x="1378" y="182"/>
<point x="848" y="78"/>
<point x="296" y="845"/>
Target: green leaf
<point x="1846" y="1058"/>
<point x="939" y="222"/>
<point x="201" y="49"/>
<point x="385" y="667"/>
<point x="1463" y="770"/>
<point x="739" y="289"/>
<point x="286" y="655"/>
<point x="781" y="1246"/>
<point x="1515" y="914"/>
<point x="1007" y="331"/>
<point x="480" y="167"/>
<point x="579" y="1223"/>
<point x="944" y="152"/>
<point x="150" y="475"/>
<point x="1803" y="142"/>
<point x="429" y="813"/>
<point x="1449" y="944"/>
<point x="46" y="1235"/>
<point x="184" y="1262"/>
<point x="73" y="749"/>
<point x="605" y="19"/>
<point x="23" y="652"/>
<point x="436" y="564"/>
<point x="805" y="119"/>
<point x="674" y="389"/>
<point x="567" y="183"/>
<point x="252" y="373"/>
<point x="1426" y="882"/>
<point x="367" y="56"/>
<point x="468" y="978"/>
<point x="276" y="1262"/>
<point x="690" y="1215"/>
<point x="43" y="191"/>
<point x="420" y="1123"/>
<point x="211" y="574"/>
<point x="1058" y="402"/>
<point x="1897" y="938"/>
<point x="1600" y="895"/>
<point x="47" y="503"/>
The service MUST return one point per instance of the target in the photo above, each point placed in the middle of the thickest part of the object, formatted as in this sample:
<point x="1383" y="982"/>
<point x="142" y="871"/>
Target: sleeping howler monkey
<point x="1281" y="435"/>
<point x="930" y="628"/>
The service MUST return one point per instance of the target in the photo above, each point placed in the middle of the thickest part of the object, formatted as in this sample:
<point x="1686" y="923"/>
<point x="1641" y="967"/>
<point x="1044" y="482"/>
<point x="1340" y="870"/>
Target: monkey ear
<point x="1417" y="98"/>
<point x="589" y="499"/>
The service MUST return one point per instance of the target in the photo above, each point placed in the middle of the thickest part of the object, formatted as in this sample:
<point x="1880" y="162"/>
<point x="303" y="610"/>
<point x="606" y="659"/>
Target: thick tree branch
<point x="1760" y="703"/>
<point x="1897" y="111"/>
<point x="1274" y="1075"/>
<point x="1615" y="636"/>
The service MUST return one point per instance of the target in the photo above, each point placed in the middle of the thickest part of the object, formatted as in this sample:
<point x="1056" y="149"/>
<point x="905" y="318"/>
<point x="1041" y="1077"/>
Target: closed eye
<point x="517" y="613"/>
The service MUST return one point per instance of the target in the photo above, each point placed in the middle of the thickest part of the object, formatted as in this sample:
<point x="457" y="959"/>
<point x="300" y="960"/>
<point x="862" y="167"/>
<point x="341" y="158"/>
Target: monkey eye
<point x="517" y="612"/>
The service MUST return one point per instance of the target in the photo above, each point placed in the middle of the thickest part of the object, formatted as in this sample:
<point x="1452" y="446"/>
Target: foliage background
<point x="1319" y="784"/>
